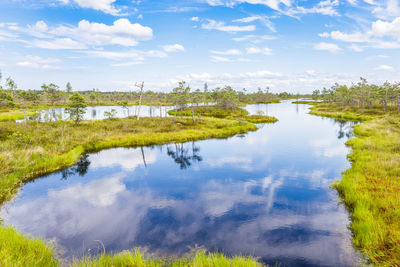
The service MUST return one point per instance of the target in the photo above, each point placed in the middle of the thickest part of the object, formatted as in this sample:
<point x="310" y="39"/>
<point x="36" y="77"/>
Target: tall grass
<point x="135" y="258"/>
<point x="18" y="250"/>
<point x="217" y="112"/>
<point x="371" y="187"/>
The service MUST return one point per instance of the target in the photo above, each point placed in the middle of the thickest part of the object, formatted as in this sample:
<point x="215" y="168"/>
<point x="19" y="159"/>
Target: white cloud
<point x="40" y="26"/>
<point x="173" y="48"/>
<point x="378" y="36"/>
<point x="255" y="50"/>
<point x="229" y="52"/>
<point x="36" y="62"/>
<point x="194" y="19"/>
<point x="136" y="55"/>
<point x="59" y="43"/>
<point x="385" y="68"/>
<point x="254" y="38"/>
<point x="274" y="4"/>
<point x="102" y="5"/>
<point x="122" y="32"/>
<point x="220" y="59"/>
<point x="386" y="9"/>
<point x="326" y="7"/>
<point x="383" y="28"/>
<point x="333" y="48"/>
<point x="356" y="48"/>
<point x="220" y="26"/>
<point x="263" y="19"/>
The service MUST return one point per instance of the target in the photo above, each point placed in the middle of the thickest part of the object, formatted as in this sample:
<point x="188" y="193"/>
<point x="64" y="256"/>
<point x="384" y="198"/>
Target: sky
<point x="287" y="45"/>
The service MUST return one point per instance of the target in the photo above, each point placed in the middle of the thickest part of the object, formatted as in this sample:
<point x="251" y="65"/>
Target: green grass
<point x="135" y="258"/>
<point x="262" y="102"/>
<point x="18" y="250"/>
<point x="371" y="187"/>
<point x="308" y="102"/>
<point x="210" y="111"/>
<point x="345" y="113"/>
<point x="14" y="114"/>
<point x="256" y="118"/>
<point x="217" y="112"/>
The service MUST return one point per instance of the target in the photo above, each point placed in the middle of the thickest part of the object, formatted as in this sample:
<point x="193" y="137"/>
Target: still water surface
<point x="265" y="194"/>
<point x="98" y="112"/>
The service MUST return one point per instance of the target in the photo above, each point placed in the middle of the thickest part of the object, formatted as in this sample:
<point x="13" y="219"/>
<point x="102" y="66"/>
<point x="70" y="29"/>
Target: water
<point x="265" y="194"/>
<point x="97" y="113"/>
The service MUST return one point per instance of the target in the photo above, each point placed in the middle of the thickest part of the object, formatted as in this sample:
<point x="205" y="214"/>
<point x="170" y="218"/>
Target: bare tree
<point x="141" y="86"/>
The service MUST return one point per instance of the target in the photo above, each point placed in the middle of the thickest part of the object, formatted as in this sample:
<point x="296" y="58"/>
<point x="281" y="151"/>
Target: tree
<point x="195" y="99"/>
<point x="110" y="114"/>
<point x="6" y="99"/>
<point x="28" y="96"/>
<point x="140" y="86"/>
<point x="68" y="88"/>
<point x="53" y="95"/>
<point x="11" y="86"/>
<point x="124" y="105"/>
<point x="76" y="107"/>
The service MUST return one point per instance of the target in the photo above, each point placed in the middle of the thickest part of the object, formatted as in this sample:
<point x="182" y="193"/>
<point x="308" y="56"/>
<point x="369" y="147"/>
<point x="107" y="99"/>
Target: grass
<point x="371" y="187"/>
<point x="210" y="111"/>
<point x="309" y="102"/>
<point x="345" y="113"/>
<point x="135" y="258"/>
<point x="14" y="114"/>
<point x="256" y="118"/>
<point x="235" y="114"/>
<point x="18" y="250"/>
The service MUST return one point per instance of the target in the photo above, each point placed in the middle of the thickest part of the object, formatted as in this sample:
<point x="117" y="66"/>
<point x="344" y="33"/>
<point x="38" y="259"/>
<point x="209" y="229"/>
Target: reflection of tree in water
<point x="183" y="156"/>
<point x="80" y="168"/>
<point x="345" y="128"/>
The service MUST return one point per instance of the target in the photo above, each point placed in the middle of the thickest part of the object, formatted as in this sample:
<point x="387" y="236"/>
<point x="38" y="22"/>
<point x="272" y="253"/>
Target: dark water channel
<point x="265" y="194"/>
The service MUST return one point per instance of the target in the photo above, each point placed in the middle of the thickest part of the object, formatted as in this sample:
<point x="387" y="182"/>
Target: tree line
<point x="362" y="95"/>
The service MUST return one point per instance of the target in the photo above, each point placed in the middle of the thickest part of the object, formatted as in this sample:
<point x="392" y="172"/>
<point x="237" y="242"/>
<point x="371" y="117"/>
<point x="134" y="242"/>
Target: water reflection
<point x="182" y="156"/>
<point x="264" y="194"/>
<point x="80" y="168"/>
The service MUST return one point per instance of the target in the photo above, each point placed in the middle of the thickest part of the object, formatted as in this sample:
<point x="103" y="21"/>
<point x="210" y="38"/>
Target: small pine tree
<point x="76" y="107"/>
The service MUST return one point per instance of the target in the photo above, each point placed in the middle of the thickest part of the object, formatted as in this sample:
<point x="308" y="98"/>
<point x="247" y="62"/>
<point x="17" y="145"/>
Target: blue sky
<point x="287" y="45"/>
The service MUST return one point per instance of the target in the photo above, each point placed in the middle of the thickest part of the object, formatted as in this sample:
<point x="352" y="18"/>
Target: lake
<point x="265" y="194"/>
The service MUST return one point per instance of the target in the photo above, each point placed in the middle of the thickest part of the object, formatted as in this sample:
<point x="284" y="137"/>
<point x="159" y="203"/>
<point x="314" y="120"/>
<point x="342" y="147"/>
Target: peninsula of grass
<point x="209" y="111"/>
<point x="32" y="149"/>
<point x="371" y="187"/>
<point x="14" y="114"/>
<point x="217" y="112"/>
<point x="308" y="102"/>
<point x="345" y="113"/>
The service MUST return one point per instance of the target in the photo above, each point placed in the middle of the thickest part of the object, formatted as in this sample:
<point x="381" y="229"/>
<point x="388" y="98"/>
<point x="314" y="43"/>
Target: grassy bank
<point x="14" y="114"/>
<point x="29" y="150"/>
<point x="217" y="112"/>
<point x="345" y="113"/>
<point x="210" y="111"/>
<point x="136" y="258"/>
<point x="370" y="188"/>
